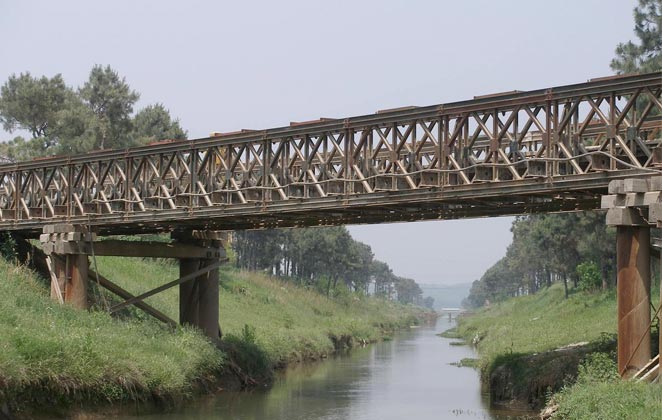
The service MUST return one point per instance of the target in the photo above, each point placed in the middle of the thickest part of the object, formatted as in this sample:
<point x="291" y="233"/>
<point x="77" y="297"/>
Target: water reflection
<point x="409" y="377"/>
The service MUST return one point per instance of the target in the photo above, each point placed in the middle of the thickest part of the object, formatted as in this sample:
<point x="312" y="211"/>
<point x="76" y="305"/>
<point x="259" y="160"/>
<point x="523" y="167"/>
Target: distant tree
<point x="428" y="302"/>
<point x="32" y="104"/>
<point x="154" y="123"/>
<point x="383" y="278"/>
<point x="646" y="56"/>
<point x="478" y="296"/>
<point x="548" y="248"/>
<point x="326" y="258"/>
<point x="596" y="244"/>
<point x="408" y="291"/>
<point x="357" y="276"/>
<point x="111" y="100"/>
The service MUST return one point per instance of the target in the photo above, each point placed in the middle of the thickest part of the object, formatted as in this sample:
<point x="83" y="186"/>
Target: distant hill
<point x="446" y="296"/>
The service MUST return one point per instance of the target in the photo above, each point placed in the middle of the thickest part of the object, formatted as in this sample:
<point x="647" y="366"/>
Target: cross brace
<point x="167" y="286"/>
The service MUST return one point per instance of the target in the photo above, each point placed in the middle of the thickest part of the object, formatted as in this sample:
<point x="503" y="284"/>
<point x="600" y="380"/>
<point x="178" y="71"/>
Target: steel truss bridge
<point x="512" y="153"/>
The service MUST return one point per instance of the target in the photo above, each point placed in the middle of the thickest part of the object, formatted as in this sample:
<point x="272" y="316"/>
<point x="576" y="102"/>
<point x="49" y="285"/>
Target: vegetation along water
<point x="52" y="355"/>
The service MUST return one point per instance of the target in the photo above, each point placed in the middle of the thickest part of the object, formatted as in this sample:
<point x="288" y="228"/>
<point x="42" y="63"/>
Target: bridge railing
<point x="603" y="125"/>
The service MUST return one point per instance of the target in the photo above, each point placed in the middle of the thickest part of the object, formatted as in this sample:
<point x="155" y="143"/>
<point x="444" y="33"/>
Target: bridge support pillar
<point x="632" y="289"/>
<point x="633" y="298"/>
<point x="199" y="299"/>
<point x="66" y="247"/>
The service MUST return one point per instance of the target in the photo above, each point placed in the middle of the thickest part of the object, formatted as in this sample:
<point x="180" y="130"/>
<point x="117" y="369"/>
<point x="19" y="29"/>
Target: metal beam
<point x="144" y="249"/>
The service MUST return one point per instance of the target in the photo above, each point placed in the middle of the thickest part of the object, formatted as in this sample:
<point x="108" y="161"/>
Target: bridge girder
<point x="516" y="153"/>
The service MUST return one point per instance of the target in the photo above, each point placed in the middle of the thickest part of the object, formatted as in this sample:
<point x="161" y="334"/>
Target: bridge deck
<point x="546" y="150"/>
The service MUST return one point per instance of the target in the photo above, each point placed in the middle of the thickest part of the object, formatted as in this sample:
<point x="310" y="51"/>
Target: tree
<point x="408" y="291"/>
<point x="111" y="100"/>
<point x="19" y="149"/>
<point x="154" y="123"/>
<point x="32" y="104"/>
<point x="548" y="248"/>
<point x="596" y="245"/>
<point x="428" y="302"/>
<point x="75" y="130"/>
<point x="383" y="277"/>
<point x="646" y="56"/>
<point x="321" y="257"/>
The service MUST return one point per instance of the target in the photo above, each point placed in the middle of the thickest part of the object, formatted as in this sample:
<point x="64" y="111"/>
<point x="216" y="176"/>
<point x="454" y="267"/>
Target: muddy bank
<point x="525" y="381"/>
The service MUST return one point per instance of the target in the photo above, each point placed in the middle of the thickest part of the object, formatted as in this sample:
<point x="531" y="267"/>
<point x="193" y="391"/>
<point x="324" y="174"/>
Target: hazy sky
<point x="223" y="66"/>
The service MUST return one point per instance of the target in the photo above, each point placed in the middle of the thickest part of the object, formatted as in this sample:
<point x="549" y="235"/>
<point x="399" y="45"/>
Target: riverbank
<point x="599" y="393"/>
<point x="289" y="323"/>
<point x="52" y="355"/>
<point x="407" y="377"/>
<point x="531" y="346"/>
<point x="547" y="349"/>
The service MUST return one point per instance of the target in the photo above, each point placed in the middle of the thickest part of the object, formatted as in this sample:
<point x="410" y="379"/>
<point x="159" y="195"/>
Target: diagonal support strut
<point x="167" y="286"/>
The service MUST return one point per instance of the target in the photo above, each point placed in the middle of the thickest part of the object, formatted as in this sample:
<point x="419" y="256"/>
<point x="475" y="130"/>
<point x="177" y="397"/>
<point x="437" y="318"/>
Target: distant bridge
<point x="451" y="310"/>
<point x="548" y="150"/>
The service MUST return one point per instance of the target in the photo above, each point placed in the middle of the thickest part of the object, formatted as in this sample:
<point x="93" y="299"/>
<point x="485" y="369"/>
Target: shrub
<point x="589" y="276"/>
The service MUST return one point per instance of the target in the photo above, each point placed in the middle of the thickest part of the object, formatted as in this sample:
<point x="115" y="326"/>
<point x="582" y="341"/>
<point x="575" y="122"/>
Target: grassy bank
<point x="52" y="354"/>
<point x="287" y="322"/>
<point x="544" y="321"/>
<point x="600" y="394"/>
<point x="55" y="355"/>
<point x="521" y="337"/>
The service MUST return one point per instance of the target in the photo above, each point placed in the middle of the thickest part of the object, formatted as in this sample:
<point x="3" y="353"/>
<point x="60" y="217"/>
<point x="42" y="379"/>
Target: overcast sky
<point x="227" y="65"/>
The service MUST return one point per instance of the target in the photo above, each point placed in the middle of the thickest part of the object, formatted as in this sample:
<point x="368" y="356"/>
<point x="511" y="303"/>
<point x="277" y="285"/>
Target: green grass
<point x="540" y="322"/>
<point x="53" y="354"/>
<point x="610" y="401"/>
<point x="290" y="323"/>
<point x="509" y="331"/>
<point x="600" y="394"/>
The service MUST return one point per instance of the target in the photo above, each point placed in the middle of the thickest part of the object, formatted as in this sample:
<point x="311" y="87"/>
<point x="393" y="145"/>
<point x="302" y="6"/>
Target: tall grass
<point x="540" y="322"/>
<point x="290" y="323"/>
<point x="54" y="353"/>
<point x="546" y="321"/>
<point x="599" y="393"/>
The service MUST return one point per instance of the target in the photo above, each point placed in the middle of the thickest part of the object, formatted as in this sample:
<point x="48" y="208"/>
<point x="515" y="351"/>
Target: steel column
<point x="208" y="302"/>
<point x="199" y="298"/>
<point x="188" y="292"/>
<point x="633" y="296"/>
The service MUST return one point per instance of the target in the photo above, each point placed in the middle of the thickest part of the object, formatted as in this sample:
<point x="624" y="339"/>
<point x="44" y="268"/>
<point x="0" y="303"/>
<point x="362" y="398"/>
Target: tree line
<point x="326" y="258"/>
<point x="576" y="249"/>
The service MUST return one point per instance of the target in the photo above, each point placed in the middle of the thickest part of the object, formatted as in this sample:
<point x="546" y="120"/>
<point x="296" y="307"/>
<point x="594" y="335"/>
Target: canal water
<point x="408" y="377"/>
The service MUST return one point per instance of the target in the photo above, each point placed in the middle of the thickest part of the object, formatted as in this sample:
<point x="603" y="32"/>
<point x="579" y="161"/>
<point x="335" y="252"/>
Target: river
<point x="408" y="377"/>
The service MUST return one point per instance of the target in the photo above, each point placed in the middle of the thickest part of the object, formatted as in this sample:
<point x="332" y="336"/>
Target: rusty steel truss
<point x="513" y="153"/>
